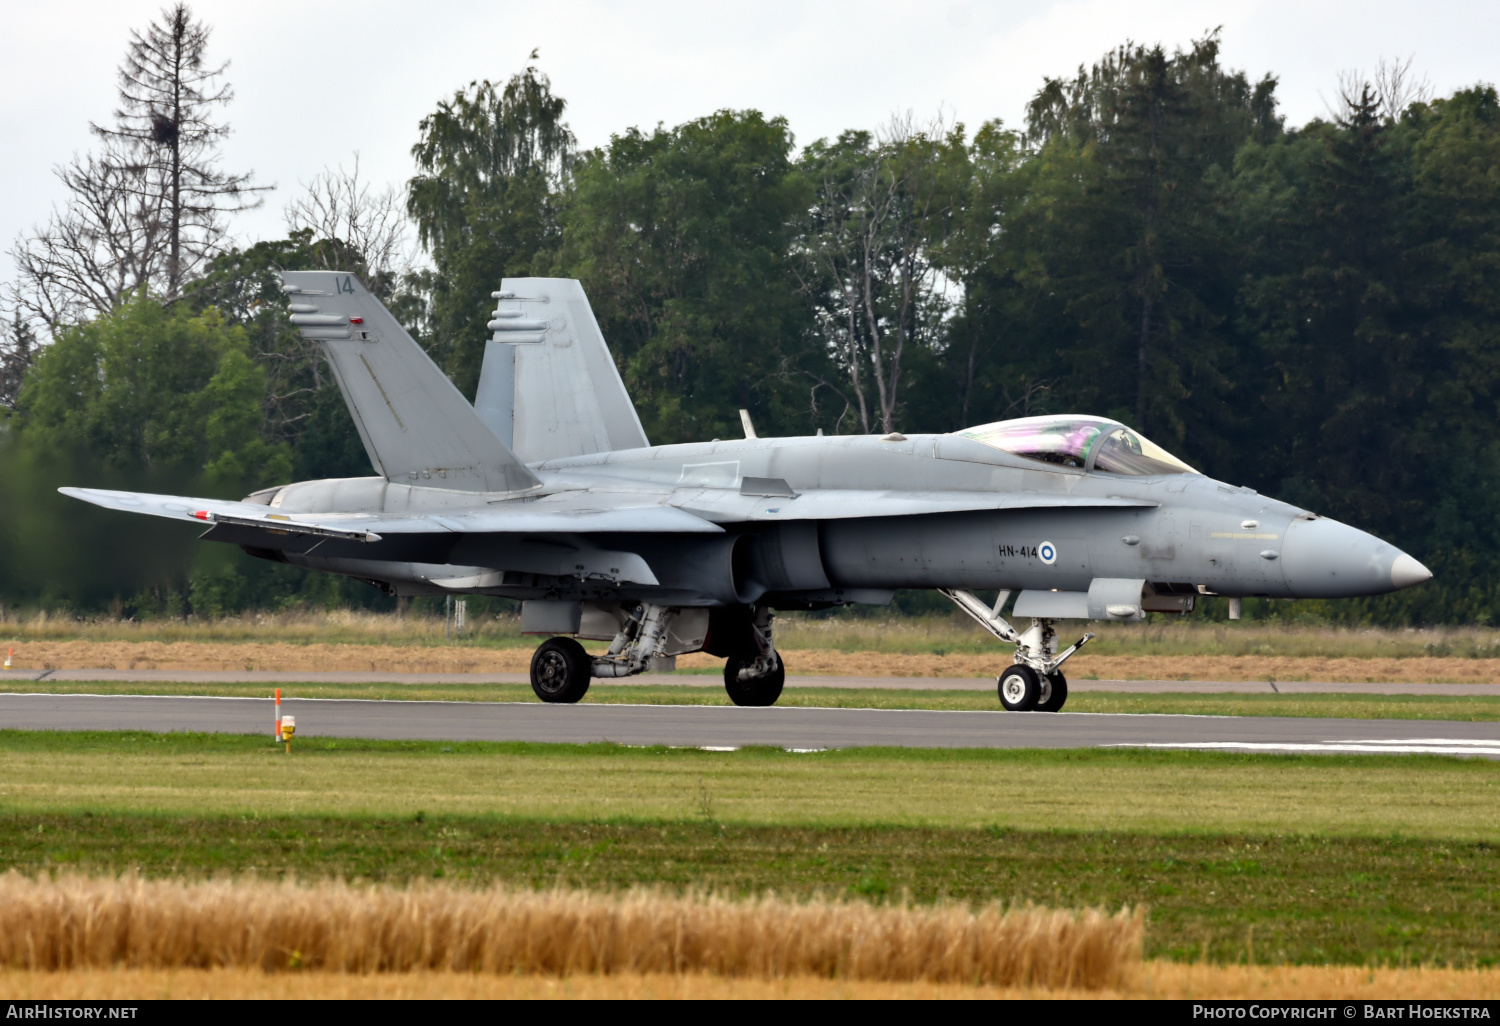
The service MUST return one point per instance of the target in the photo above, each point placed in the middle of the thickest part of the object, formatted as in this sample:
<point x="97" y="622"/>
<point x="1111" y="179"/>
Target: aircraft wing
<point x="686" y="511"/>
<point x="725" y="506"/>
<point x="529" y="517"/>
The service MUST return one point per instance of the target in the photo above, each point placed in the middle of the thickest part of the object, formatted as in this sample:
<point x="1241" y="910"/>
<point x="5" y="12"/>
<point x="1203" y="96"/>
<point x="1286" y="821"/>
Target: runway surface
<point x="721" y="727"/>
<point x="713" y="680"/>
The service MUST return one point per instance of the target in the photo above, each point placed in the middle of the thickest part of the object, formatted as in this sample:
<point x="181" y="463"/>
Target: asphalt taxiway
<point x="713" y="680"/>
<point x="728" y="727"/>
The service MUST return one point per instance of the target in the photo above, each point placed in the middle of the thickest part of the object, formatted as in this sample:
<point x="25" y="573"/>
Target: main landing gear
<point x="753" y="674"/>
<point x="1035" y="682"/>
<point x="561" y="670"/>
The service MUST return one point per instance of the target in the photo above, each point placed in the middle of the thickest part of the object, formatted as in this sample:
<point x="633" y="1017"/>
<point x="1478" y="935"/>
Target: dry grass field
<point x="392" y="637"/>
<point x="1166" y="980"/>
<point x="73" y="922"/>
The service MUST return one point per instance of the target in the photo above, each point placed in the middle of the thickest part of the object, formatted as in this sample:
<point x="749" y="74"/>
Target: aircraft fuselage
<point x="1188" y="534"/>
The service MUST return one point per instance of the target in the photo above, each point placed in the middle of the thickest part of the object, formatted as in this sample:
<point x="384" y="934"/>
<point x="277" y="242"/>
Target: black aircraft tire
<point x="755" y="691"/>
<point x="1019" y="688"/>
<point x="1057" y="693"/>
<point x="560" y="670"/>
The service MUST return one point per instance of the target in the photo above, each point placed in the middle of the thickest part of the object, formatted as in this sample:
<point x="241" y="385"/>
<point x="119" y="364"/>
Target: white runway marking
<point x="1404" y="746"/>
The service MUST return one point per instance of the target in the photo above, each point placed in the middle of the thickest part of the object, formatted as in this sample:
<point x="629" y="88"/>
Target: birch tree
<point x="884" y="206"/>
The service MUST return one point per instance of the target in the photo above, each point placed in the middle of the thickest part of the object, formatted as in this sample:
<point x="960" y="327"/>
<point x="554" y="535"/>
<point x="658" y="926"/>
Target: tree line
<point x="1308" y="310"/>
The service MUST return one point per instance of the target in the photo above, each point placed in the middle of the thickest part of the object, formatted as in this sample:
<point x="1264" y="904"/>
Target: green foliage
<point x="1314" y="312"/>
<point x="490" y="162"/>
<point x="150" y="397"/>
<point x="1370" y="297"/>
<point x="304" y="409"/>
<point x="1117" y="240"/>
<point x="681" y="239"/>
<point x="884" y="213"/>
<point x="155" y="387"/>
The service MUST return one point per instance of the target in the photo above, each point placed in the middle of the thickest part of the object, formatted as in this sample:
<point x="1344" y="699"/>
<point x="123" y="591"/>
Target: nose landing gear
<point x="1035" y="682"/>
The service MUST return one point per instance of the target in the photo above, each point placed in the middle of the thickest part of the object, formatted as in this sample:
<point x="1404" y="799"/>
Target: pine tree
<point x="17" y="352"/>
<point x="165" y="131"/>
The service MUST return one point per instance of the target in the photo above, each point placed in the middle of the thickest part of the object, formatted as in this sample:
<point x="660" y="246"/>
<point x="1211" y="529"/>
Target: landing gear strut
<point x="561" y="669"/>
<point x="1035" y="682"/>
<point x="755" y="675"/>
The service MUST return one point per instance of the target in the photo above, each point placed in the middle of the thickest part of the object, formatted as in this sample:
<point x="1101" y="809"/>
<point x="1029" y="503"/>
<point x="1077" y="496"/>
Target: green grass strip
<point x="1339" y="706"/>
<point x="1222" y="897"/>
<point x="1132" y="790"/>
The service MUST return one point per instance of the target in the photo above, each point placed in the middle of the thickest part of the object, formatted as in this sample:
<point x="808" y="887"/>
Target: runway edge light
<point x="288" y="728"/>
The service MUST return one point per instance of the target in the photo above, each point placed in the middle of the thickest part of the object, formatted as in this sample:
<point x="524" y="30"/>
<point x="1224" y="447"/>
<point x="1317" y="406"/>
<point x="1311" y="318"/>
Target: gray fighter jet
<point x="546" y="490"/>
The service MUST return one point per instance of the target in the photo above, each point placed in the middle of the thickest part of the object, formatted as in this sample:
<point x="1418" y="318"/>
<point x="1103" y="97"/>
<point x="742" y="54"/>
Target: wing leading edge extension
<point x="723" y="505"/>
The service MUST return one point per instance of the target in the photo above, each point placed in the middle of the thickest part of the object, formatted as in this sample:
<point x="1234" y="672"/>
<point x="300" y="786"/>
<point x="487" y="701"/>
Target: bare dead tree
<point x="1392" y="88"/>
<point x="107" y="241"/>
<point x="1398" y="88"/>
<point x="371" y="224"/>
<point x="165" y="134"/>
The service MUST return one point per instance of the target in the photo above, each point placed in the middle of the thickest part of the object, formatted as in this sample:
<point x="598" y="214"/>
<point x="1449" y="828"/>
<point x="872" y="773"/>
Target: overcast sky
<point x="317" y="81"/>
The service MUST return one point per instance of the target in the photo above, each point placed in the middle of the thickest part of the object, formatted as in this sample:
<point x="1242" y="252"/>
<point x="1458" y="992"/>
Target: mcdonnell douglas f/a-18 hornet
<point x="546" y="490"/>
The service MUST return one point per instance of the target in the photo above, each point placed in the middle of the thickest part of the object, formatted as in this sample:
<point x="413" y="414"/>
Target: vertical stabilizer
<point x="548" y="380"/>
<point x="417" y="427"/>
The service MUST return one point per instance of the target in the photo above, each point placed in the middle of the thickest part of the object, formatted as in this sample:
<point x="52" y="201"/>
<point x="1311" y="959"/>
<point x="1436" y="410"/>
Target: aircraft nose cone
<point x="1406" y="572"/>
<point x="1323" y="558"/>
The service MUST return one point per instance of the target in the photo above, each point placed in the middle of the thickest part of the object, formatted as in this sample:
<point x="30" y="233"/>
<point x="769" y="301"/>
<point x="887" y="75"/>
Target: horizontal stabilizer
<point x="563" y="517"/>
<point x="209" y="511"/>
<point x="416" y="426"/>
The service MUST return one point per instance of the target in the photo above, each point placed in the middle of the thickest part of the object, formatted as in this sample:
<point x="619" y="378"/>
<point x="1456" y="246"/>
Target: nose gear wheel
<point x="1054" y="693"/>
<point x="1020" y="688"/>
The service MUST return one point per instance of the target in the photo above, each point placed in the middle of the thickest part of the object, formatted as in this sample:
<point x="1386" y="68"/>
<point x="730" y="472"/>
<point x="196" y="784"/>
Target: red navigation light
<point x="202" y="514"/>
<point x="356" y="320"/>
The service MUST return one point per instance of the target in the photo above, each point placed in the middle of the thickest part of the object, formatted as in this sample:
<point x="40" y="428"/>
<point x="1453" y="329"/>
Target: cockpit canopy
<point x="1088" y="443"/>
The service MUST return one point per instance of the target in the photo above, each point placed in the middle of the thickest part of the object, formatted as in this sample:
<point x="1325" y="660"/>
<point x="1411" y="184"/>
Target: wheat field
<point x="1158" y="980"/>
<point x="74" y="922"/>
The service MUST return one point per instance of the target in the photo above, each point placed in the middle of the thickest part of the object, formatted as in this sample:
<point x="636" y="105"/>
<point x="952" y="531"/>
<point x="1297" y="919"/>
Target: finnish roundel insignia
<point x="1047" y="552"/>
